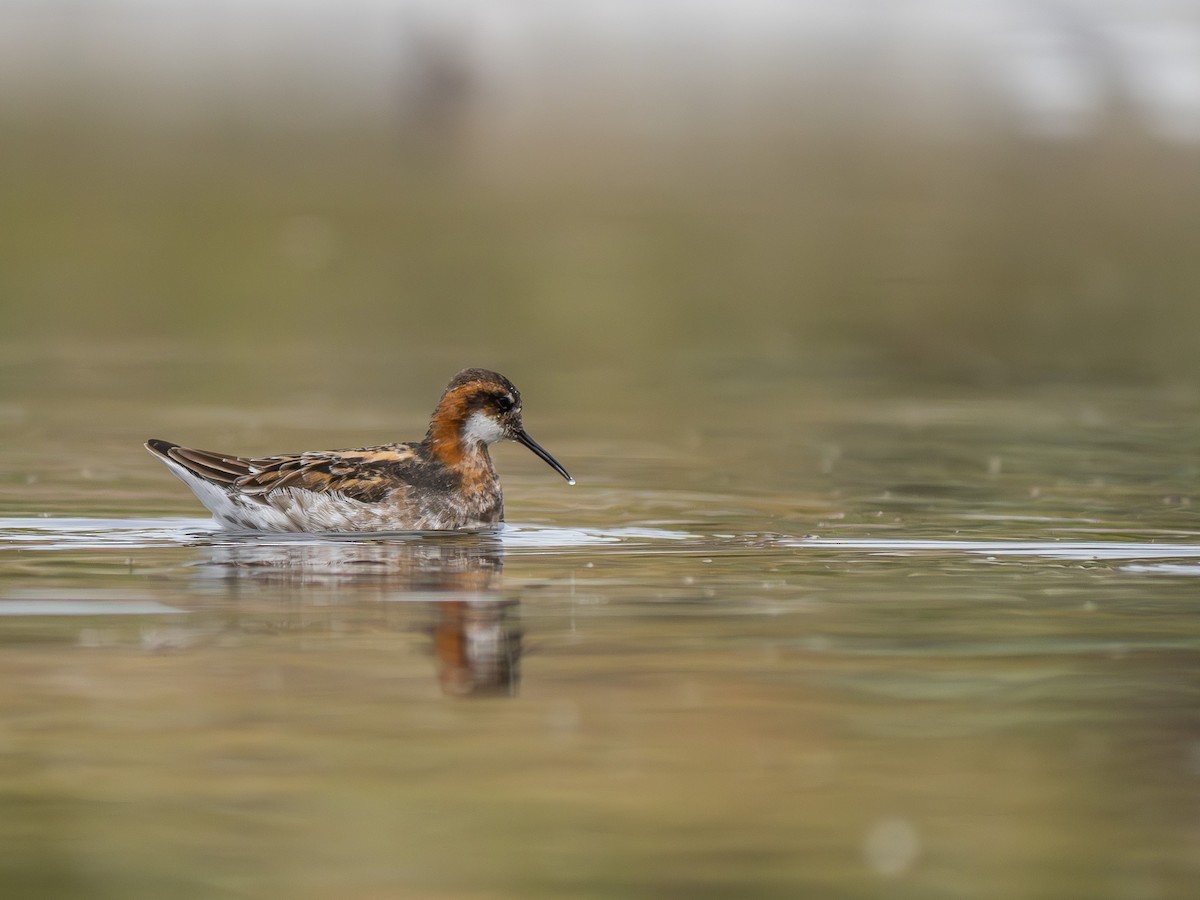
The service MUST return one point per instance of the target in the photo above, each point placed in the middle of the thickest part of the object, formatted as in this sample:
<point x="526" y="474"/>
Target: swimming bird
<point x="443" y="482"/>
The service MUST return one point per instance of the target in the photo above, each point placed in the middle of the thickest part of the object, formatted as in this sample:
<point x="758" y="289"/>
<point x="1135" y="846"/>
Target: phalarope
<point x="444" y="482"/>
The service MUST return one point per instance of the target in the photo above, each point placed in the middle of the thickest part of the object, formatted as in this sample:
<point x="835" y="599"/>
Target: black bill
<point x="526" y="440"/>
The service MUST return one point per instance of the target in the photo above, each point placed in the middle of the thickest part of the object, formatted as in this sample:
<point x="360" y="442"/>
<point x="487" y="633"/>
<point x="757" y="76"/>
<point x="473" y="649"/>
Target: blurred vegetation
<point x="847" y="244"/>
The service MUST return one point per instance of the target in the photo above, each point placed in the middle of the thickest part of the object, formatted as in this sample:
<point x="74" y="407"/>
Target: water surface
<point x="864" y="640"/>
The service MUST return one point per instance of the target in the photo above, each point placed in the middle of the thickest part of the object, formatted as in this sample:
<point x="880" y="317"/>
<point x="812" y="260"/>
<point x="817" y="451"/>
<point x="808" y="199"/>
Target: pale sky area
<point x="1056" y="65"/>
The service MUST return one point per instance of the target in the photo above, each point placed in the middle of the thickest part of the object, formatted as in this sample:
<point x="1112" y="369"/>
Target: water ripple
<point x="1072" y="550"/>
<point x="108" y="533"/>
<point x="65" y="533"/>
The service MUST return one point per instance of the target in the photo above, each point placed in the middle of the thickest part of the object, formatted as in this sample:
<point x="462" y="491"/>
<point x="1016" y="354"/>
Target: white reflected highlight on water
<point x="75" y="533"/>
<point x="86" y="608"/>
<point x="100" y="533"/>
<point x="75" y="601"/>
<point x="1075" y="550"/>
<point x="535" y="537"/>
<point x="1189" y="569"/>
<point x="891" y="846"/>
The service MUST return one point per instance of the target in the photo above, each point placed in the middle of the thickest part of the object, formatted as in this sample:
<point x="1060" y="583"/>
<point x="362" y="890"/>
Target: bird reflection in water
<point x="476" y="633"/>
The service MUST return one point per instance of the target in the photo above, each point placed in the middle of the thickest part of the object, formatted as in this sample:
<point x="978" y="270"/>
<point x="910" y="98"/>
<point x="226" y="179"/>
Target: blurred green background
<point x="986" y="197"/>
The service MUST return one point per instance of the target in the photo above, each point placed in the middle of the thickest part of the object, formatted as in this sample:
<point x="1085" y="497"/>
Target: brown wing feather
<point x="218" y="467"/>
<point x="367" y="475"/>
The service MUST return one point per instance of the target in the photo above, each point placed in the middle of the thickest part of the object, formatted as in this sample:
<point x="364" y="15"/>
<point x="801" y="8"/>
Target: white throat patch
<point x="481" y="427"/>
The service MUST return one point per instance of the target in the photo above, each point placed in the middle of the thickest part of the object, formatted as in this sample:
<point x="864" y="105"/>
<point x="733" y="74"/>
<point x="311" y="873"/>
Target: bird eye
<point x="505" y="403"/>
